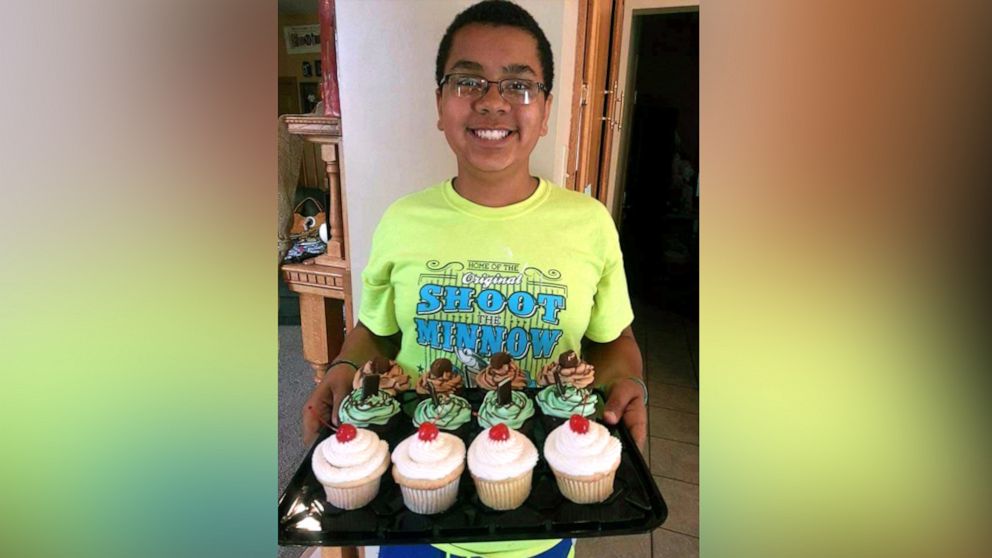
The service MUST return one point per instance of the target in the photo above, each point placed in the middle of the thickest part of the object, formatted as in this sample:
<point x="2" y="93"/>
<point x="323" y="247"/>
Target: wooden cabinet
<point x="324" y="282"/>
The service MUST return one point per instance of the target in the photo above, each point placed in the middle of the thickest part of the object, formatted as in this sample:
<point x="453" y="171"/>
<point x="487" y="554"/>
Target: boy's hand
<point x="325" y="401"/>
<point x="626" y="401"/>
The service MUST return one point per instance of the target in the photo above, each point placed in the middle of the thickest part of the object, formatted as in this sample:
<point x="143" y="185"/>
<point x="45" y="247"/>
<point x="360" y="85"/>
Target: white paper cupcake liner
<point x="506" y="494"/>
<point x="585" y="490"/>
<point x="354" y="497"/>
<point x="429" y="501"/>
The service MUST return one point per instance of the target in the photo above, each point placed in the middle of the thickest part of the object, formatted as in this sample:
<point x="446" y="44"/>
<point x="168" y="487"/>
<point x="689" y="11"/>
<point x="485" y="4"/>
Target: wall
<point x="391" y="145"/>
<point x="292" y="64"/>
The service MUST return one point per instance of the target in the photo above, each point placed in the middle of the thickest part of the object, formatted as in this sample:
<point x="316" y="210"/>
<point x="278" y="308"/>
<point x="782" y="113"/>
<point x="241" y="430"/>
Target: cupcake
<point x="392" y="379"/>
<point x="566" y="402"/>
<point x="567" y="394"/>
<point x="450" y="412"/>
<point x="445" y="409"/>
<point x="512" y="408"/>
<point x="570" y="369"/>
<point x="501" y="462"/>
<point x="501" y="367"/>
<point x="371" y="404"/>
<point x="349" y="465"/>
<point x="427" y="466"/>
<point x="584" y="458"/>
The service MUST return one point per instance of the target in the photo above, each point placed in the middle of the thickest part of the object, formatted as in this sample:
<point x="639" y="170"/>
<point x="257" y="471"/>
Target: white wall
<point x="391" y="144"/>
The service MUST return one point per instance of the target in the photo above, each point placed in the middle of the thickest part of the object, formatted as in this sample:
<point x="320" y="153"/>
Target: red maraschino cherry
<point x="579" y="424"/>
<point x="427" y="431"/>
<point x="499" y="433"/>
<point x="346" y="433"/>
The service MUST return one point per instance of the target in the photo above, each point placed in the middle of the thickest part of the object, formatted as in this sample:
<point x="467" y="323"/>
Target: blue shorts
<point x="561" y="550"/>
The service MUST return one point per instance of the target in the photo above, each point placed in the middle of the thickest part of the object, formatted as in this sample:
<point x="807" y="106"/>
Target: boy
<point x="494" y="259"/>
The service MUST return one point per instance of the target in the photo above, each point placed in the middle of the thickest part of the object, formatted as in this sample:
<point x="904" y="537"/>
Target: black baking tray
<point x="636" y="505"/>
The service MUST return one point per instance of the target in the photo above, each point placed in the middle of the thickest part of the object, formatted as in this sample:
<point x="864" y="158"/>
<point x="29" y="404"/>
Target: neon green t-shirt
<point x="463" y="281"/>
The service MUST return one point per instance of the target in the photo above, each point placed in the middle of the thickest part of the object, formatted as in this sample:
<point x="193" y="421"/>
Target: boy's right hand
<point x="326" y="400"/>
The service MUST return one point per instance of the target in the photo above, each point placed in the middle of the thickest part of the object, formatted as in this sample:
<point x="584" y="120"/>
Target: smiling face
<point x="488" y="134"/>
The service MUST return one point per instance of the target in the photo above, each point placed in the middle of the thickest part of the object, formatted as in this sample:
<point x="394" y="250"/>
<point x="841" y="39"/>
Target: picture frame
<point x="307" y="69"/>
<point x="301" y="39"/>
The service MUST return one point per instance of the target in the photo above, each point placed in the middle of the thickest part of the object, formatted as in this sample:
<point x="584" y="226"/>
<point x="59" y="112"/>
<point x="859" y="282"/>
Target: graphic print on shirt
<point x="467" y="311"/>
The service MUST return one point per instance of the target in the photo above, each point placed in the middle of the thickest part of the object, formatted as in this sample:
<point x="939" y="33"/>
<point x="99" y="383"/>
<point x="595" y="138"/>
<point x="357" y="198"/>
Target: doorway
<point x="657" y="193"/>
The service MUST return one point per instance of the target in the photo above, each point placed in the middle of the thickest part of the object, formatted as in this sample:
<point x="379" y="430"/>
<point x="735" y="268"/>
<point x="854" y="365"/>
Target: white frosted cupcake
<point x="428" y="466"/>
<point x="350" y="465"/>
<point x="584" y="458"/>
<point x="501" y="462"/>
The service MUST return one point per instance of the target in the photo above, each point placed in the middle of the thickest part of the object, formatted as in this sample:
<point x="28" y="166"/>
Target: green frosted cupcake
<point x="514" y="414"/>
<point x="575" y="401"/>
<point x="452" y="412"/>
<point x="375" y="409"/>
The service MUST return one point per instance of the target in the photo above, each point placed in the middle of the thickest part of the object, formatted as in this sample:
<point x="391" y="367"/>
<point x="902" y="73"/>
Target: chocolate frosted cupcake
<point x="501" y="367"/>
<point x="567" y="393"/>
<point x="371" y="404"/>
<point x="447" y="410"/>
<point x="572" y="371"/>
<point x="392" y="379"/>
<point x="506" y="406"/>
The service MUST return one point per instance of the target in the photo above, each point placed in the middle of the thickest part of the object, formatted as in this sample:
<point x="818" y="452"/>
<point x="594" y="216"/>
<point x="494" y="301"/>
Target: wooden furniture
<point x="324" y="282"/>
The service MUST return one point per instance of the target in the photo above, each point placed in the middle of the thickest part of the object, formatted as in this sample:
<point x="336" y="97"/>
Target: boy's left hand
<point x="626" y="400"/>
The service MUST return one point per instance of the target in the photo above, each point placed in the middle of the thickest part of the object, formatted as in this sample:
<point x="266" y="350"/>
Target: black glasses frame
<point x="488" y="84"/>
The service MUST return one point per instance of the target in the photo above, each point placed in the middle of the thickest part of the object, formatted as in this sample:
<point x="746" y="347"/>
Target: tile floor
<point x="671" y="355"/>
<point x="670" y="347"/>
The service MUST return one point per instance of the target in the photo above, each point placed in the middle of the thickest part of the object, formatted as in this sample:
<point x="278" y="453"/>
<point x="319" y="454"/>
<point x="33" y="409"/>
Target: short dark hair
<point x="496" y="13"/>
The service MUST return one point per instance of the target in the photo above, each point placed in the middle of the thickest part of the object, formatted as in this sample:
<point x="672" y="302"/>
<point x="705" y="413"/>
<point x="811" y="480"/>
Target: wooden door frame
<point x="585" y="142"/>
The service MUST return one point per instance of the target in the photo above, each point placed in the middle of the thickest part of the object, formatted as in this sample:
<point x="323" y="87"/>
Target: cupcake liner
<point x="355" y="494"/>
<point x="506" y="494"/>
<point x="428" y="501"/>
<point x="590" y="489"/>
<point x="428" y="497"/>
<point x="354" y="497"/>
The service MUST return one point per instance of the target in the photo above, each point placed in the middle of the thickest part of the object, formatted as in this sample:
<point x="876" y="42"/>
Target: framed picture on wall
<point x="316" y="68"/>
<point x="301" y="39"/>
<point x="307" y="69"/>
<point x="309" y="96"/>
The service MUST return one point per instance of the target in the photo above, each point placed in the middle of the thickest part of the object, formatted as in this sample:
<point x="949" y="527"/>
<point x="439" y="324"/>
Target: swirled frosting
<point x="452" y="412"/>
<point x="580" y="375"/>
<point x="513" y="415"/>
<point x="336" y="462"/>
<point x="447" y="382"/>
<point x="391" y="381"/>
<point x="592" y="452"/>
<point x="491" y="376"/>
<point x="575" y="402"/>
<point x="501" y="459"/>
<point x="377" y="409"/>
<point x="429" y="460"/>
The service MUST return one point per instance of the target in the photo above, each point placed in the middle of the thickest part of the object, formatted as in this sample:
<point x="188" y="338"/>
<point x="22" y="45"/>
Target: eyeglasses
<point x="514" y="91"/>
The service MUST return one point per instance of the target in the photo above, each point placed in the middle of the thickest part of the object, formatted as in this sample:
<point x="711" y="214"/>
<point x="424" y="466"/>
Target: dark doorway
<point x="659" y="229"/>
